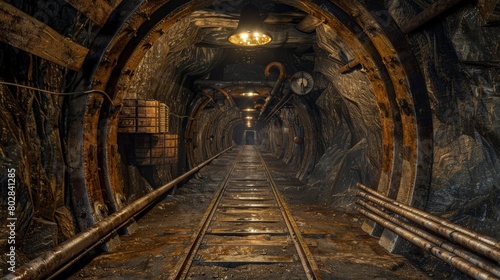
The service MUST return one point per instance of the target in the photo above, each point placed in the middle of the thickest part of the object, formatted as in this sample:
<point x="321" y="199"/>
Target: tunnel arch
<point x="366" y="28"/>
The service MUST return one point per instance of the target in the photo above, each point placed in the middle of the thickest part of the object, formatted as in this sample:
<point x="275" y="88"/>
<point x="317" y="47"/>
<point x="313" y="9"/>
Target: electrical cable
<point x="182" y="117"/>
<point x="62" y="93"/>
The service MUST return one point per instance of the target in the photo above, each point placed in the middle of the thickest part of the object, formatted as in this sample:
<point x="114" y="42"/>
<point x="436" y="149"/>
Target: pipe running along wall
<point x="51" y="260"/>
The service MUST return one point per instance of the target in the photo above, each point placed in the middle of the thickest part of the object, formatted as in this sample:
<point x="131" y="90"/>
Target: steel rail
<point x="56" y="257"/>
<point x="306" y="257"/>
<point x="491" y="242"/>
<point x="466" y="255"/>
<point x="182" y="266"/>
<point x="450" y="258"/>
<point x="453" y="235"/>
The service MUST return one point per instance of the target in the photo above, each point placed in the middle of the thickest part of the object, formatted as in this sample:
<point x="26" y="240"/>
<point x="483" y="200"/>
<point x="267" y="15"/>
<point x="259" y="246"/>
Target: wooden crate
<point x="154" y="149"/>
<point x="164" y="118"/>
<point x="143" y="116"/>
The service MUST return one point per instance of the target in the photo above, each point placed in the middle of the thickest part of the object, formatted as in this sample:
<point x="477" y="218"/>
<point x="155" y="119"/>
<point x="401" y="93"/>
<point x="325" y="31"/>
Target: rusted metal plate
<point x="30" y="35"/>
<point x="96" y="10"/>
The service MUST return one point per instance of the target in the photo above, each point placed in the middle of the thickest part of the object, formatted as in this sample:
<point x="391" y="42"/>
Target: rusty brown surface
<point x="112" y="185"/>
<point x="96" y="10"/>
<point x="190" y="129"/>
<point x="28" y="34"/>
<point x="384" y="93"/>
<point x="341" y="249"/>
<point x="85" y="187"/>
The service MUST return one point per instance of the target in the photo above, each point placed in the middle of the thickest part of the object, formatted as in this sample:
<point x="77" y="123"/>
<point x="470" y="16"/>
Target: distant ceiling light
<point x="249" y="110"/>
<point x="249" y="32"/>
<point x="248" y="118"/>
<point x="250" y="91"/>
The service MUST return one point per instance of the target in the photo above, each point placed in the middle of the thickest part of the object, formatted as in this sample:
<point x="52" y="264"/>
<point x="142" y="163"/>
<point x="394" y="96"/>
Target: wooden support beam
<point x="30" y="35"/>
<point x="96" y="10"/>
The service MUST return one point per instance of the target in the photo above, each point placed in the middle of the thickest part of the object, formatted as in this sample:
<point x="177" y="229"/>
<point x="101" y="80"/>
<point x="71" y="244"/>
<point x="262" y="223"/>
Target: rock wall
<point x="32" y="135"/>
<point x="31" y="142"/>
<point x="350" y="127"/>
<point x="459" y="58"/>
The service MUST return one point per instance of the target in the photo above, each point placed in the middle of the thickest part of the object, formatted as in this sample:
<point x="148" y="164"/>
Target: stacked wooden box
<point x="147" y="123"/>
<point x="154" y="149"/>
<point x="143" y="116"/>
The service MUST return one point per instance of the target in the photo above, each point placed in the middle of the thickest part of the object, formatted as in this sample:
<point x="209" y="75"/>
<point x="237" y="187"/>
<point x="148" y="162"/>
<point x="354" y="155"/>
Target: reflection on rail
<point x="55" y="260"/>
<point x="248" y="223"/>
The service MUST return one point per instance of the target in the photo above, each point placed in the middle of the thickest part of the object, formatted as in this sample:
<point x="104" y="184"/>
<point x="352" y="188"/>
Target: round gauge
<point x="301" y="83"/>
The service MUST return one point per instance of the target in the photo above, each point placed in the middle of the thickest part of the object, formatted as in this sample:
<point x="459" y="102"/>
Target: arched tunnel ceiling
<point x="416" y="119"/>
<point x="394" y="84"/>
<point x="350" y="31"/>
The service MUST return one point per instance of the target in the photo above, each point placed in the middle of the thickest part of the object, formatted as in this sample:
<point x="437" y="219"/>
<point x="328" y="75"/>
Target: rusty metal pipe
<point x="444" y="255"/>
<point x="226" y="94"/>
<point x="475" y="260"/>
<point x="455" y="236"/>
<point x="276" y="86"/>
<point x="484" y="238"/>
<point x="280" y="104"/>
<point x="281" y="76"/>
<point x="428" y="14"/>
<point x="54" y="258"/>
<point x="351" y="64"/>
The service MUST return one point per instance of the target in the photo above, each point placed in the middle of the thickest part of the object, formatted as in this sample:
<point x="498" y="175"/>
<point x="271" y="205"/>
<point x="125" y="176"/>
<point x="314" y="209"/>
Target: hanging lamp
<point x="250" y="32"/>
<point x="250" y="91"/>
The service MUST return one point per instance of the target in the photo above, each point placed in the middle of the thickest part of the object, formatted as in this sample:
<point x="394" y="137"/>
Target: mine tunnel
<point x="373" y="125"/>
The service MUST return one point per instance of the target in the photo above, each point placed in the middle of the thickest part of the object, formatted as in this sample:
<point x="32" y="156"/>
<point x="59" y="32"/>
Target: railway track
<point x="247" y="224"/>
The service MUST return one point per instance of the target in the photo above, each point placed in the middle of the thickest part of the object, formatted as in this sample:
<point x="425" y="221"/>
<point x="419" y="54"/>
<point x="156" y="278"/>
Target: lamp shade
<point x="249" y="32"/>
<point x="249" y="90"/>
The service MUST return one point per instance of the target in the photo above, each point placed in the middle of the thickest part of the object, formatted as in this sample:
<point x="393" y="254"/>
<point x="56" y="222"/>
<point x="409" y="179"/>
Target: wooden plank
<point x="246" y="259"/>
<point x="252" y="240"/>
<point x="248" y="198"/>
<point x="247" y="253"/>
<point x="248" y="220"/>
<point x="263" y="213"/>
<point x="257" y="211"/>
<point x="30" y="35"/>
<point x="248" y="205"/>
<point x="246" y="231"/>
<point x="97" y="11"/>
